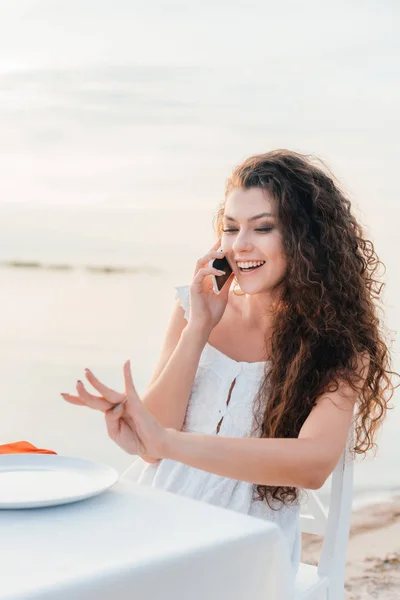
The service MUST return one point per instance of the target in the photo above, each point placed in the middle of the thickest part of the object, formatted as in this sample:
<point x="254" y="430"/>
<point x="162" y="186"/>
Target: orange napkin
<point x="23" y="448"/>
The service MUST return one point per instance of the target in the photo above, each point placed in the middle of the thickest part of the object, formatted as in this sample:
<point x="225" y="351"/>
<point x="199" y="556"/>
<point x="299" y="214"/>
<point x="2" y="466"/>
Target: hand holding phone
<point x="223" y="265"/>
<point x="209" y="296"/>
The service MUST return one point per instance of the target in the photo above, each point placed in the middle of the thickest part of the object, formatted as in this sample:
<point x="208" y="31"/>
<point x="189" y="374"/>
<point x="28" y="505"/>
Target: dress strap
<point x="183" y="295"/>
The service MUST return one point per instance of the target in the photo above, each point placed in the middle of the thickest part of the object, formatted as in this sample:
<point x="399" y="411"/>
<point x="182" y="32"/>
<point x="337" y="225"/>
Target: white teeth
<point x="247" y="265"/>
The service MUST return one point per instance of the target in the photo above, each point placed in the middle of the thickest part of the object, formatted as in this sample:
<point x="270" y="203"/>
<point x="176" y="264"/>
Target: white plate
<point x="32" y="480"/>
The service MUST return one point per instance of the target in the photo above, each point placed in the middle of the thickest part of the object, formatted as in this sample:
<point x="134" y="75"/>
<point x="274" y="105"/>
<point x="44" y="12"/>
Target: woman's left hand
<point x="129" y="423"/>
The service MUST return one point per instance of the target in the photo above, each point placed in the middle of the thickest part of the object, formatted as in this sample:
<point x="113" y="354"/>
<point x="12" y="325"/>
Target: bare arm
<point x="170" y="387"/>
<point x="169" y="390"/>
<point x="305" y="462"/>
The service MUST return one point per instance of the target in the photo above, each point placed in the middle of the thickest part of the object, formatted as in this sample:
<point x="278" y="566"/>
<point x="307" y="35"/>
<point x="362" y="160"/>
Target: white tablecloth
<point x="138" y="543"/>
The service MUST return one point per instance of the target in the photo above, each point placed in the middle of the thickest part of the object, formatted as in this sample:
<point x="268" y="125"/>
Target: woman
<point x="255" y="393"/>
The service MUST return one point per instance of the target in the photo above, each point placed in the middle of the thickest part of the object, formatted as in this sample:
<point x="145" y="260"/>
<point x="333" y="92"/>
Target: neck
<point x="257" y="310"/>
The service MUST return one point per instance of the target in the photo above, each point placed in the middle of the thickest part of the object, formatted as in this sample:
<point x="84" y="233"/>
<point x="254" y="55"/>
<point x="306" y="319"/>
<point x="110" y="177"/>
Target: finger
<point x="90" y="400"/>
<point x="130" y="389"/>
<point x="204" y="260"/>
<point x="116" y="411"/>
<point x="73" y="399"/>
<point x="203" y="273"/>
<point x="108" y="393"/>
<point x="123" y="429"/>
<point x="113" y="423"/>
<point x="216" y="245"/>
<point x="80" y="402"/>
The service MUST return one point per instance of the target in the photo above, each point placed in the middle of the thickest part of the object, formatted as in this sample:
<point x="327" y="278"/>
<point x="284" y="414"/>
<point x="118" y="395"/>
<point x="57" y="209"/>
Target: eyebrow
<point x="255" y="218"/>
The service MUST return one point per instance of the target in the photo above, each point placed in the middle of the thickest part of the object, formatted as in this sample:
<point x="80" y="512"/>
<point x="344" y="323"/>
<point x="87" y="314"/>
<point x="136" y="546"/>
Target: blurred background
<point x="120" y="121"/>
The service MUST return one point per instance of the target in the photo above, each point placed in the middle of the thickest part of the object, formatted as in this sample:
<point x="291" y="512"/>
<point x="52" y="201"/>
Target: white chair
<point x="134" y="470"/>
<point x="326" y="581"/>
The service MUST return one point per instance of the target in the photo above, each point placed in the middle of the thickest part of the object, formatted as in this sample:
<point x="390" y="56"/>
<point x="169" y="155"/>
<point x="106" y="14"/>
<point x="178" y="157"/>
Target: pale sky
<point x="145" y="103"/>
<point x="45" y="33"/>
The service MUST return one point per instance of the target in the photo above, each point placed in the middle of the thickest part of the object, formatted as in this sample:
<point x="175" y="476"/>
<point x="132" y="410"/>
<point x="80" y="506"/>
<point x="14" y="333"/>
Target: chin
<point x="252" y="288"/>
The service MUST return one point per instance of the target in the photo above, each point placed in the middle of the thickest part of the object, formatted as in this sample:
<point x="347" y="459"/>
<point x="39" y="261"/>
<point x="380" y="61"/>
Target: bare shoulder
<point x="329" y="422"/>
<point x="346" y="394"/>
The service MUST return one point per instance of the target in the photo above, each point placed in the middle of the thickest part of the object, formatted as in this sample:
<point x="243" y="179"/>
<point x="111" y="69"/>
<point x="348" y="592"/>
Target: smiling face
<point x="249" y="241"/>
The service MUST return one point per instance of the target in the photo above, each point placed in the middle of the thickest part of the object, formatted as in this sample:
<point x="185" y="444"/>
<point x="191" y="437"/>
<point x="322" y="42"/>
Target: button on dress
<point x="221" y="403"/>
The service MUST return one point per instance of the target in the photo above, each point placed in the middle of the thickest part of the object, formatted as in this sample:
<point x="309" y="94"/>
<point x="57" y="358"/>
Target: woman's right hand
<point x="207" y="307"/>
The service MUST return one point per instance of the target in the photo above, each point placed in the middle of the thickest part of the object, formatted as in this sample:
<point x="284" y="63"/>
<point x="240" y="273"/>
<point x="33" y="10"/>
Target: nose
<point x="241" y="244"/>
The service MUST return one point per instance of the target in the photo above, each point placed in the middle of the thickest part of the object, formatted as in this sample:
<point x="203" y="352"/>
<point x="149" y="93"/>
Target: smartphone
<point x="220" y="280"/>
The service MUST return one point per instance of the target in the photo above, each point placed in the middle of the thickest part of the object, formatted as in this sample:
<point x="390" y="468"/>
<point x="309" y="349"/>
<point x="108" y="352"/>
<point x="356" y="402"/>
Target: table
<point x="139" y="543"/>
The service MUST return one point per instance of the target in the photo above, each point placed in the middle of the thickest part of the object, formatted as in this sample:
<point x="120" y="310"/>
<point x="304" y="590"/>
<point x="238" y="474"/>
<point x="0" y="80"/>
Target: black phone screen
<point x="223" y="265"/>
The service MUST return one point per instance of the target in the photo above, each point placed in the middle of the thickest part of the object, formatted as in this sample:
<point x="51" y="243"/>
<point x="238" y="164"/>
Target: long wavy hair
<point x="327" y="315"/>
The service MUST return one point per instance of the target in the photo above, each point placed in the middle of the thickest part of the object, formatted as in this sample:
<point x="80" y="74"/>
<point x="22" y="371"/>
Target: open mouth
<point x="251" y="268"/>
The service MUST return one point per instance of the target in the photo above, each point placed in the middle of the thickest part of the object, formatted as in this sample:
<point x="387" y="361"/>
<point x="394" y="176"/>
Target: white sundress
<point x="206" y="407"/>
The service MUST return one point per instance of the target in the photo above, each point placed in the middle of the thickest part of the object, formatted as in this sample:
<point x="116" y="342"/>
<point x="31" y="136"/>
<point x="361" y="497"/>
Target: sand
<point x="373" y="555"/>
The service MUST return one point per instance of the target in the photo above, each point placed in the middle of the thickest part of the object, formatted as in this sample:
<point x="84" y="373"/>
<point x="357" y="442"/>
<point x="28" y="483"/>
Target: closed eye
<point x="260" y="229"/>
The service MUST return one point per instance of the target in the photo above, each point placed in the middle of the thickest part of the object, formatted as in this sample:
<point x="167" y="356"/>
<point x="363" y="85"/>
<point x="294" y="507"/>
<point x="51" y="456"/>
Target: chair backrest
<point x="134" y="469"/>
<point x="334" y="524"/>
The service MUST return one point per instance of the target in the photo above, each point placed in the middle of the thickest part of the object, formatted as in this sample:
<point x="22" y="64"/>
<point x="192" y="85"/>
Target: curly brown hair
<point x="327" y="316"/>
